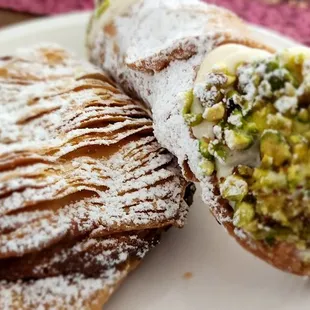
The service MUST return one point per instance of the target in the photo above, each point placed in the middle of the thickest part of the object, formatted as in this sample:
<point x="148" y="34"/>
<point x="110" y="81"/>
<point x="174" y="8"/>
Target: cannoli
<point x="234" y="112"/>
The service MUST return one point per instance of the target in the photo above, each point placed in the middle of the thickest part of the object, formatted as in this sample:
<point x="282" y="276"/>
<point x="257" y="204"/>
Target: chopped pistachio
<point x="250" y="128"/>
<point x="256" y="79"/>
<point x="207" y="167"/>
<point x="303" y="115"/>
<point x="280" y="217"/>
<point x="291" y="77"/>
<point x="244" y="214"/>
<point x="300" y="152"/>
<point x="295" y="139"/>
<point x="289" y="90"/>
<point x="231" y="93"/>
<point x="245" y="171"/>
<point x="280" y="122"/>
<point x="269" y="180"/>
<point x="102" y="8"/>
<point x="203" y="148"/>
<point x="188" y="101"/>
<point x="267" y="107"/>
<point x="292" y="62"/>
<point x="237" y="140"/>
<point x="218" y="150"/>
<point x="230" y="80"/>
<point x="274" y="145"/>
<point x="234" y="188"/>
<point x="193" y="119"/>
<point x="259" y="117"/>
<point x="214" y="113"/>
<point x="295" y="175"/>
<point x="301" y="128"/>
<point x="276" y="82"/>
<point x="267" y="161"/>
<point x="272" y="65"/>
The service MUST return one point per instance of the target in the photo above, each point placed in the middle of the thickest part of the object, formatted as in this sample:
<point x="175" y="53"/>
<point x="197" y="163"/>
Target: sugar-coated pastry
<point x="234" y="112"/>
<point x="85" y="188"/>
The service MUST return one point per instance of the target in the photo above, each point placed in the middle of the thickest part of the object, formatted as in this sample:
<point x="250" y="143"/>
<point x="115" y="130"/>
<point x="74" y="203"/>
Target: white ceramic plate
<point x="199" y="267"/>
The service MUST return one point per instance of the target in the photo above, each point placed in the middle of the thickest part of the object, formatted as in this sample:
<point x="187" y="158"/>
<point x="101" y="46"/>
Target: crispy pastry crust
<point x="160" y="76"/>
<point x="85" y="188"/>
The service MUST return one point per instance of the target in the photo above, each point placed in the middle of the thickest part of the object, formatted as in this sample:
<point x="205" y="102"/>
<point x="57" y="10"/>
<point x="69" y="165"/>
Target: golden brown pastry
<point x="85" y="189"/>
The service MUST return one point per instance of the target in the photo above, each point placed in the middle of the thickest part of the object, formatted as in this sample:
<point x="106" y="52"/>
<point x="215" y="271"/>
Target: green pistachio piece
<point x="274" y="145"/>
<point x="218" y="150"/>
<point x="193" y="119"/>
<point x="295" y="139"/>
<point x="231" y="93"/>
<point x="207" y="167"/>
<point x="272" y="65"/>
<point x="289" y="90"/>
<point x="292" y="62"/>
<point x="203" y="148"/>
<point x="230" y="80"/>
<point x="237" y="140"/>
<point x="266" y="162"/>
<point x="300" y="152"/>
<point x="276" y="82"/>
<point x="243" y="215"/>
<point x="295" y="176"/>
<point x="188" y="101"/>
<point x="291" y="77"/>
<point x="280" y="123"/>
<point x="245" y="171"/>
<point x="259" y="117"/>
<point x="271" y="206"/>
<point x="269" y="180"/>
<point x="301" y="127"/>
<point x="256" y="79"/>
<point x="102" y="8"/>
<point x="280" y="217"/>
<point x="234" y="188"/>
<point x="214" y="113"/>
<point x="303" y="115"/>
<point x="250" y="128"/>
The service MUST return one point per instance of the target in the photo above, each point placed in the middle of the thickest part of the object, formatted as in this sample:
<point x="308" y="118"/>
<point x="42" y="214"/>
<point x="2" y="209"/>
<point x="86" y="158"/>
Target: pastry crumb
<point x="187" y="275"/>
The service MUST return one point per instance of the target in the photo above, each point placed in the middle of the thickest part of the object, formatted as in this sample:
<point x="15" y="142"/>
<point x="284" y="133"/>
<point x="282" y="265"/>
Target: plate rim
<point x="15" y="32"/>
<point x="75" y="17"/>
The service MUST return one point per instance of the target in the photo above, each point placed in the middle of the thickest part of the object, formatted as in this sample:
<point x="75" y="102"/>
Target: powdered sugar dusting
<point x="70" y="292"/>
<point x="104" y="263"/>
<point x="43" y="130"/>
<point x="158" y="44"/>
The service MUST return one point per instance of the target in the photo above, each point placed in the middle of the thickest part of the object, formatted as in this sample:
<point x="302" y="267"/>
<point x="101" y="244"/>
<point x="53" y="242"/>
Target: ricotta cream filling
<point x="228" y="56"/>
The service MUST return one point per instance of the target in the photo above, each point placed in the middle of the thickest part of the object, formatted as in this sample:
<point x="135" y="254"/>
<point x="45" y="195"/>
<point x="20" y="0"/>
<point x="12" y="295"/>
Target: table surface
<point x="10" y="17"/>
